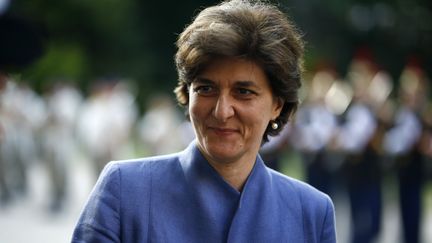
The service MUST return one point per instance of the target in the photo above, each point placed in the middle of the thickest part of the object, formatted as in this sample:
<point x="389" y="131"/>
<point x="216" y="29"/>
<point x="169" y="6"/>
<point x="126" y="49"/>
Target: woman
<point x="239" y="66"/>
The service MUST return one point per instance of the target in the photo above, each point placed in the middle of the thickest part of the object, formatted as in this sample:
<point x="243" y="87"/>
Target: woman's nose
<point x="223" y="109"/>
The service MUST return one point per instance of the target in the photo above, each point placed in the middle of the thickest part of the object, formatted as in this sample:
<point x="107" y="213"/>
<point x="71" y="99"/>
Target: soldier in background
<point x="4" y="189"/>
<point x="403" y="143"/>
<point x="58" y="138"/>
<point x="362" y="166"/>
<point x="22" y="117"/>
<point x="313" y="127"/>
<point x="160" y="124"/>
<point x="106" y="121"/>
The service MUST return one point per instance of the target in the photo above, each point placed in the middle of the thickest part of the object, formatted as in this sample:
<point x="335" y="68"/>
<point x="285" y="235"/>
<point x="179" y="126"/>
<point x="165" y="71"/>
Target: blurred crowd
<point x="349" y="131"/>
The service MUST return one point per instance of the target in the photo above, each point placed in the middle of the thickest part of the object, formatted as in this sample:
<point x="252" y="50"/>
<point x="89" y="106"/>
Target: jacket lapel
<point x="263" y="214"/>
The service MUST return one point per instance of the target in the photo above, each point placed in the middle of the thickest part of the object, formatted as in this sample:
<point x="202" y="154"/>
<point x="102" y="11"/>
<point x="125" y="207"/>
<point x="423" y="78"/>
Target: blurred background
<point x="86" y="82"/>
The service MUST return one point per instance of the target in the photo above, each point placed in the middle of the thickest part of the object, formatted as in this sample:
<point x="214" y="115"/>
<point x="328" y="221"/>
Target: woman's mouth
<point x="223" y="131"/>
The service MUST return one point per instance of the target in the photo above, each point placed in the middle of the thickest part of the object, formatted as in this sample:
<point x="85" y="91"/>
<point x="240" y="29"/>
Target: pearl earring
<point x="274" y="125"/>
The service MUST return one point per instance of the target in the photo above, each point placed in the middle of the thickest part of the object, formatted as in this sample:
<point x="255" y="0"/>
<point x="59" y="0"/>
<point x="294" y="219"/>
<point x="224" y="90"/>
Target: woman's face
<point x="230" y="106"/>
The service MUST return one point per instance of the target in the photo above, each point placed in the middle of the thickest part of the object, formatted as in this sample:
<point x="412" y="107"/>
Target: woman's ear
<point x="278" y="105"/>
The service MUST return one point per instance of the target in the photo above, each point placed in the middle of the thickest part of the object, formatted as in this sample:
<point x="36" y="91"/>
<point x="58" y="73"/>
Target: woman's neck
<point x="234" y="173"/>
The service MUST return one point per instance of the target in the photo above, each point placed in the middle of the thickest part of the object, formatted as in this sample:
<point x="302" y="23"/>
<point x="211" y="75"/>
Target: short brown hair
<point x="254" y="30"/>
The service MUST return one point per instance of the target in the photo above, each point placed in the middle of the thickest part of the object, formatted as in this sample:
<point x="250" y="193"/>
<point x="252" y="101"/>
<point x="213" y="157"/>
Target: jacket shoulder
<point x="140" y="166"/>
<point x="289" y="185"/>
<point x="136" y="176"/>
<point x="316" y="207"/>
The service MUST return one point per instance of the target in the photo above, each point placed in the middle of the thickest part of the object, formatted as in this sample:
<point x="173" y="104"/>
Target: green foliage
<point x="136" y="39"/>
<point x="60" y="60"/>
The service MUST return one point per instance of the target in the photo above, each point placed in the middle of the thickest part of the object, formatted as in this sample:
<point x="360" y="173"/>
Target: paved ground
<point x="28" y="220"/>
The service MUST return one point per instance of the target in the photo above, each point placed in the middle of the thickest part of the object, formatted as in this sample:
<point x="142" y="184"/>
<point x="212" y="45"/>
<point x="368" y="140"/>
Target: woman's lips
<point x="223" y="131"/>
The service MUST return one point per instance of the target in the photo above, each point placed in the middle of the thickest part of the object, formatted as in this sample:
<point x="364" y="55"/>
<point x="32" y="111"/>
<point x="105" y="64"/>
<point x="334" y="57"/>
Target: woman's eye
<point x="243" y="91"/>
<point x="204" y="89"/>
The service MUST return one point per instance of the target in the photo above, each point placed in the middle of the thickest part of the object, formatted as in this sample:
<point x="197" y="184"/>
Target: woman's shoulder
<point x="317" y="209"/>
<point x="143" y="168"/>
<point x="145" y="163"/>
<point x="307" y="194"/>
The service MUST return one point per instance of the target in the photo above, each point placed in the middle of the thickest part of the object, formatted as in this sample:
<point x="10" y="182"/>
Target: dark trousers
<point x="366" y="207"/>
<point x="363" y="175"/>
<point x="410" y="203"/>
<point x="318" y="175"/>
<point x="411" y="178"/>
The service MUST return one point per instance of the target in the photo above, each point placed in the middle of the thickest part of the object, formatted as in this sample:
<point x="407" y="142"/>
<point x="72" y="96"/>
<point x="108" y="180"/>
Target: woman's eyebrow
<point x="203" y="80"/>
<point x="240" y="83"/>
<point x="246" y="84"/>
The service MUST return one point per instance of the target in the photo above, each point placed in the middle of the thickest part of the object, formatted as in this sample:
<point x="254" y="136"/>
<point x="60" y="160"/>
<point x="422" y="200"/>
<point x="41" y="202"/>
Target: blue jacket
<point x="181" y="198"/>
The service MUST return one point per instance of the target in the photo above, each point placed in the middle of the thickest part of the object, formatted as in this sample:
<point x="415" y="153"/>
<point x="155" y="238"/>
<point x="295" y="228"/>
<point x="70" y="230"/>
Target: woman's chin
<point x="222" y="152"/>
